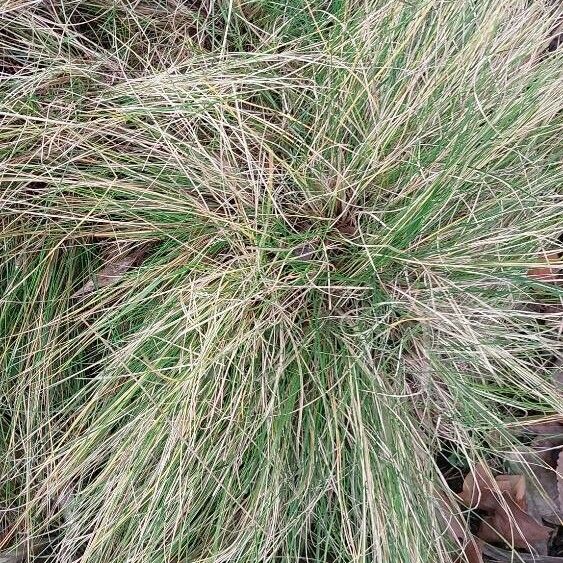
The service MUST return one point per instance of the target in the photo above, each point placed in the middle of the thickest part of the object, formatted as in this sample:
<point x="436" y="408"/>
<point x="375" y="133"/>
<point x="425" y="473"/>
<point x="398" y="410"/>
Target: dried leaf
<point x="457" y="530"/>
<point x="558" y="375"/>
<point x="113" y="270"/>
<point x="550" y="271"/>
<point x="481" y="490"/>
<point x="502" y="556"/>
<point x="560" y="480"/>
<point x="515" y="487"/>
<point x="305" y="252"/>
<point x="504" y="500"/>
<point x="473" y="551"/>
<point x="22" y="553"/>
<point x="346" y="227"/>
<point x="510" y="524"/>
<point x="477" y="489"/>
<point x="542" y="492"/>
<point x="543" y="427"/>
<point x="12" y="556"/>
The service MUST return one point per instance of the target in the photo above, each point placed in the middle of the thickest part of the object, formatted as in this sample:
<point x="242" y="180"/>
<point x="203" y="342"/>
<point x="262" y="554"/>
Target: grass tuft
<point x="339" y="202"/>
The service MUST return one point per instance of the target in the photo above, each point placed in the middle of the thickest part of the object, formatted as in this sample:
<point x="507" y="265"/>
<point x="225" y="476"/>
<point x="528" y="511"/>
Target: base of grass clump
<point x="274" y="278"/>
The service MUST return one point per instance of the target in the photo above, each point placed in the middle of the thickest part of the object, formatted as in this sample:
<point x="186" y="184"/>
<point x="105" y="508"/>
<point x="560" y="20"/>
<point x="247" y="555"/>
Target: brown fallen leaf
<point x="481" y="490"/>
<point x="469" y="546"/>
<point x="558" y="375"/>
<point x="511" y="525"/>
<point x="545" y="472"/>
<point x="23" y="552"/>
<point x="346" y="227"/>
<point x="305" y="251"/>
<point x="552" y="426"/>
<point x="113" y="270"/>
<point x="473" y="551"/>
<point x="515" y="486"/>
<point x="560" y="479"/>
<point x="502" y="556"/>
<point x="504" y="500"/>
<point x="538" y="461"/>
<point x="550" y="270"/>
<point x="476" y="492"/>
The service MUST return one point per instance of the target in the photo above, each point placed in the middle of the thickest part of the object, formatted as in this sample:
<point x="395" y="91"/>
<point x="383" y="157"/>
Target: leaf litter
<point x="117" y="262"/>
<point x="503" y="499"/>
<point x="521" y="511"/>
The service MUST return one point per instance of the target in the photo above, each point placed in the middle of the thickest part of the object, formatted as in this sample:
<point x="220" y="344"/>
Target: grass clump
<point x="335" y="205"/>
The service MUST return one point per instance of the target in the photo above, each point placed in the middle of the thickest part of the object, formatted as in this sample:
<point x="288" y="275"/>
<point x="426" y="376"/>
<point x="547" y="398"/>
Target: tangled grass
<point x="335" y="204"/>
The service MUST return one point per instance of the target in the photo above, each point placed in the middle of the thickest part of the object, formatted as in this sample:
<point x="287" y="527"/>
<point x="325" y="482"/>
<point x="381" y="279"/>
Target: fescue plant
<point x="324" y="212"/>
